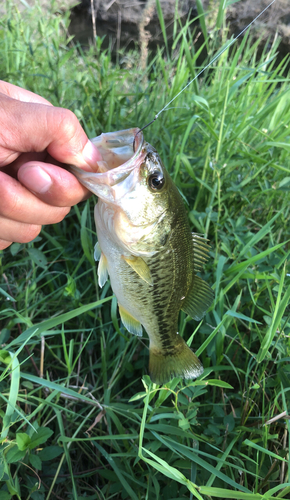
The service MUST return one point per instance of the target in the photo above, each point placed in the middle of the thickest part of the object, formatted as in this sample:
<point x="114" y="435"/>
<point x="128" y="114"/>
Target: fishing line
<point x="207" y="66"/>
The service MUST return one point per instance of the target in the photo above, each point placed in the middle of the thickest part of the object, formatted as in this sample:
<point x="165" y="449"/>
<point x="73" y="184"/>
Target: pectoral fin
<point x="198" y="299"/>
<point x="103" y="270"/>
<point x="97" y="251"/>
<point x="132" y="325"/>
<point x="140" y="267"/>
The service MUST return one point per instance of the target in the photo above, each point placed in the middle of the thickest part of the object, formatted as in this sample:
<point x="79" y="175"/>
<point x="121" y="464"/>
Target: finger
<point x="58" y="132"/>
<point x="17" y="231"/>
<point x="21" y="94"/>
<point x="52" y="184"/>
<point x="4" y="244"/>
<point x="13" y="167"/>
<point x="20" y="205"/>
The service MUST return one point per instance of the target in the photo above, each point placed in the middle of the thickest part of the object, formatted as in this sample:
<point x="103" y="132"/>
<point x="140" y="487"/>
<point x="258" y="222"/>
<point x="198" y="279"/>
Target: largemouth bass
<point x="146" y="247"/>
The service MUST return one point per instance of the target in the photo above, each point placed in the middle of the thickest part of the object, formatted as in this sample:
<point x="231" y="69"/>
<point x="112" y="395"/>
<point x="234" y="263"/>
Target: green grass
<point x="80" y="417"/>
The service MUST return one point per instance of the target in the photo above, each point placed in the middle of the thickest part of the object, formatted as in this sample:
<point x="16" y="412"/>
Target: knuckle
<point x="27" y="233"/>
<point x="9" y="200"/>
<point x="68" y="137"/>
<point x="62" y="212"/>
<point x="68" y="123"/>
<point x="4" y="244"/>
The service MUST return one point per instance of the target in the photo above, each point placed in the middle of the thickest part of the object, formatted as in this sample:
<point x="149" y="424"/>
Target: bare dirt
<point x="125" y="22"/>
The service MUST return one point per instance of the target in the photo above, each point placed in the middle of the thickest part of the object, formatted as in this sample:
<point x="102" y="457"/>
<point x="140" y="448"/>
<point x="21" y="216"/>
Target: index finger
<point x="21" y="94"/>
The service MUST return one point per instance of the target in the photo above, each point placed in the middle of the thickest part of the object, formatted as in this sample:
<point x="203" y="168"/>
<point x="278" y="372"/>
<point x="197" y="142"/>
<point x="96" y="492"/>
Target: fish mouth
<point x="122" y="154"/>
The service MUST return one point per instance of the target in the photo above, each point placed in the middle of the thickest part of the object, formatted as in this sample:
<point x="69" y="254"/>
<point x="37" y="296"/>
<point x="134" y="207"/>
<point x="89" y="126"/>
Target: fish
<point x="146" y="247"/>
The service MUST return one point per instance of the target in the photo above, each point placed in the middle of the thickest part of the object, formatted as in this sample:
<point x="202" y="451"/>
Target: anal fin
<point x="198" y="299"/>
<point x="133" y="325"/>
<point x="140" y="267"/>
<point x="103" y="270"/>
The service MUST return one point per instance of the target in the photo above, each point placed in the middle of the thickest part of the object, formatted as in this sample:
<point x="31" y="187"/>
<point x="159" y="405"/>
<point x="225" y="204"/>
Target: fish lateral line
<point x="207" y="66"/>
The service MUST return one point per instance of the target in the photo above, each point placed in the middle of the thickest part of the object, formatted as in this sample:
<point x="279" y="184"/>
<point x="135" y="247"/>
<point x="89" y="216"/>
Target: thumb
<point x="36" y="127"/>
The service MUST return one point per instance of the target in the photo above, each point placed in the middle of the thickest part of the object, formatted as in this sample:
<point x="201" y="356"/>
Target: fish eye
<point x="156" y="181"/>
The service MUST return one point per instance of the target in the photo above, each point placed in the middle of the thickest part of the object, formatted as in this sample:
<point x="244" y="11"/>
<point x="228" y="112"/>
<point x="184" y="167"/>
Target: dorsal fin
<point x="200" y="251"/>
<point x="198" y="299"/>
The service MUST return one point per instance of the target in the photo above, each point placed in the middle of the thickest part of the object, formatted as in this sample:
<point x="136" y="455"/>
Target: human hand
<point x="35" y="138"/>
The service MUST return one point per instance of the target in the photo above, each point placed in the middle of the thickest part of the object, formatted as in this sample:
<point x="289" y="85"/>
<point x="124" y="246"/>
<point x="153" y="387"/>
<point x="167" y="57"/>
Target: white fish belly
<point x="132" y="292"/>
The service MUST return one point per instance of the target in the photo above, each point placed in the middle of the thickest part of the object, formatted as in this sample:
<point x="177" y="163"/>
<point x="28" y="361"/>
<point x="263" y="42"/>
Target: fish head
<point x="131" y="176"/>
<point x="144" y="196"/>
<point x="121" y="152"/>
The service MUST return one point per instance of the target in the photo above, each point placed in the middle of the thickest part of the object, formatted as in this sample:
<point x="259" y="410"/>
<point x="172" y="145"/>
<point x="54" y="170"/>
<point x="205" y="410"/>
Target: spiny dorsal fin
<point x="140" y="267"/>
<point x="133" y="325"/>
<point x="102" y="270"/>
<point x="201" y="250"/>
<point x="198" y="299"/>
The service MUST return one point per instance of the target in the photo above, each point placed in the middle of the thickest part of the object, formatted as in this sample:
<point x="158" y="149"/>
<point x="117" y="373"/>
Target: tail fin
<point x="182" y="362"/>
